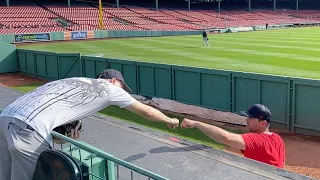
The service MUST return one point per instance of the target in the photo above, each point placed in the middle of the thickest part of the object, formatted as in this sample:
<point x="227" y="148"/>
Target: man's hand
<point x="187" y="123"/>
<point x="75" y="132"/>
<point x="174" y="123"/>
<point x="216" y="133"/>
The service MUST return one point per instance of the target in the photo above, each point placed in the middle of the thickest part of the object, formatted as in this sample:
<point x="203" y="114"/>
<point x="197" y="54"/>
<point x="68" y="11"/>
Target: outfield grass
<point x="289" y="52"/>
<point x="27" y="88"/>
<point x="122" y="114"/>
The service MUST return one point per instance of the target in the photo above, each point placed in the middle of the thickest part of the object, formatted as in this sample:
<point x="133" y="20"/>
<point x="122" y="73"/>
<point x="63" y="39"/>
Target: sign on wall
<point x="34" y="37"/>
<point x="78" y="35"/>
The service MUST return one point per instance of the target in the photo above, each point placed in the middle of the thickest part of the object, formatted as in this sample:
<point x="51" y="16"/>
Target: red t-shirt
<point x="265" y="148"/>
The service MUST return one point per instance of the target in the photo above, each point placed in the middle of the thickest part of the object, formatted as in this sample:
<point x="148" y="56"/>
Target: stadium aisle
<point x="7" y="95"/>
<point x="155" y="152"/>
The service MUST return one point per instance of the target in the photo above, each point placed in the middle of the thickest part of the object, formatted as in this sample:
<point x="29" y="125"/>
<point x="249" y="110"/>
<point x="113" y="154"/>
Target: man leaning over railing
<point x="258" y="144"/>
<point x="26" y="124"/>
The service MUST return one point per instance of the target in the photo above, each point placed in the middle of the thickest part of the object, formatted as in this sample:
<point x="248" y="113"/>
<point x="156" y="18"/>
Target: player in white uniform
<point x="26" y="124"/>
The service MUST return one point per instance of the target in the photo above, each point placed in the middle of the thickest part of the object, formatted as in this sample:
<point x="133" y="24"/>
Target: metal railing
<point x="101" y="165"/>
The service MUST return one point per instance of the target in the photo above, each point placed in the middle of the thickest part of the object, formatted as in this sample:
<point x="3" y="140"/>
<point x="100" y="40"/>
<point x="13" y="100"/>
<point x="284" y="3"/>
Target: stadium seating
<point x="160" y="17"/>
<point x="81" y="17"/>
<point x="53" y="162"/>
<point x="17" y="17"/>
<point x="87" y="18"/>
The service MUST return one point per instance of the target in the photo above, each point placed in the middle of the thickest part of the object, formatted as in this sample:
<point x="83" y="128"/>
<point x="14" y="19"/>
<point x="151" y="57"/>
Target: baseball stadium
<point x="205" y="60"/>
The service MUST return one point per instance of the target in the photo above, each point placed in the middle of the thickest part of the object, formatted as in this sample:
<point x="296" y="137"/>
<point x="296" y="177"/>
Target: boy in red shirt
<point x="258" y="144"/>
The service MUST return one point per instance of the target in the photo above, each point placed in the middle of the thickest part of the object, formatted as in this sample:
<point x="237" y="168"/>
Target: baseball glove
<point x="66" y="128"/>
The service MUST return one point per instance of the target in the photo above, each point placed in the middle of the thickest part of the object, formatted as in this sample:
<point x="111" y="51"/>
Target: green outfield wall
<point x="292" y="101"/>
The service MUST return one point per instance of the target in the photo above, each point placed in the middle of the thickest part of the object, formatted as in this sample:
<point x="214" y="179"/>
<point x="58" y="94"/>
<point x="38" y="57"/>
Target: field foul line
<point x="108" y="52"/>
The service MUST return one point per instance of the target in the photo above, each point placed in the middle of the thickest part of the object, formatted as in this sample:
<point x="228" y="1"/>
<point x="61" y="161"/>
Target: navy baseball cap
<point x="258" y="111"/>
<point x="112" y="73"/>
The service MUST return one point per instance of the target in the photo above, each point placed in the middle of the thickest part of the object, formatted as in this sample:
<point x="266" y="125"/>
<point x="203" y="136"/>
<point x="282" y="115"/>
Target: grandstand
<point x="56" y="16"/>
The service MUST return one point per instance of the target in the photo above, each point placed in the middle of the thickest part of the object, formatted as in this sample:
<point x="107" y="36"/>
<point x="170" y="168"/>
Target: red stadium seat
<point x="20" y="19"/>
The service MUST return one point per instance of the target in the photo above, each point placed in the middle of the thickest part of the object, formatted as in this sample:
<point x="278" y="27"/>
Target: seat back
<point x="57" y="165"/>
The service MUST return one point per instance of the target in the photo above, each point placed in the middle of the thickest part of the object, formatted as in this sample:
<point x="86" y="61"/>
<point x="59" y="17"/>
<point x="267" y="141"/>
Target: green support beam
<point x="118" y="4"/>
<point x="249" y="5"/>
<point x="274" y="5"/>
<point x="297" y="5"/>
<point x="7" y="2"/>
<point x="157" y="5"/>
<point x="219" y="5"/>
<point x="189" y="8"/>
<point x="69" y="3"/>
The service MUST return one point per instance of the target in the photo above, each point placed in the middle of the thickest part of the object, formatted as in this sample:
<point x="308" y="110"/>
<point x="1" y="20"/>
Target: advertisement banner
<point x="32" y="37"/>
<point x="241" y="29"/>
<point x="90" y="34"/>
<point x="214" y="31"/>
<point x="67" y="36"/>
<point x="73" y="35"/>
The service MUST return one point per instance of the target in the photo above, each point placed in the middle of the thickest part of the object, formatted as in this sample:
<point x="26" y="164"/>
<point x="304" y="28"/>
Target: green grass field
<point x="288" y="52"/>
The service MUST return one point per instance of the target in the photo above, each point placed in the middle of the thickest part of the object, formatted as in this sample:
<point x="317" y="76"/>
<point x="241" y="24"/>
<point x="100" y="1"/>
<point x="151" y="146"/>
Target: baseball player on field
<point x="26" y="124"/>
<point x="259" y="144"/>
<point x="205" y="39"/>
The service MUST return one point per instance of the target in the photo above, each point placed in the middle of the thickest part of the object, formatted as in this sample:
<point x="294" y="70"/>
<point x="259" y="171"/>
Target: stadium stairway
<point x="115" y="17"/>
<point x="61" y="20"/>
<point x="27" y="19"/>
<point x="165" y="19"/>
<point x="141" y="14"/>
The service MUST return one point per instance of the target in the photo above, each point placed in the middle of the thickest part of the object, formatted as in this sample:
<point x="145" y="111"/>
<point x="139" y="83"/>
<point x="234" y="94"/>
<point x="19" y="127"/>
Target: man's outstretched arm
<point x="216" y="133"/>
<point x="152" y="114"/>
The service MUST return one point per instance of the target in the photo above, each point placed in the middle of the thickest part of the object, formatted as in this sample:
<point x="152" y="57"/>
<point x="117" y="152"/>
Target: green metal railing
<point x="101" y="165"/>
